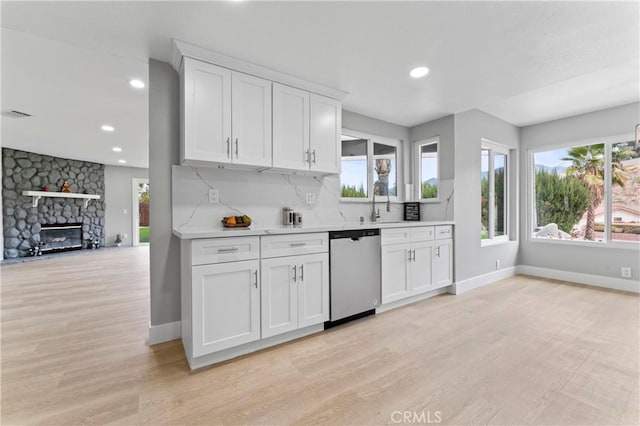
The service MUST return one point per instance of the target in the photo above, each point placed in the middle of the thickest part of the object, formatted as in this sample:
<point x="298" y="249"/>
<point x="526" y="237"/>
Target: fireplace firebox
<point x="56" y="238"/>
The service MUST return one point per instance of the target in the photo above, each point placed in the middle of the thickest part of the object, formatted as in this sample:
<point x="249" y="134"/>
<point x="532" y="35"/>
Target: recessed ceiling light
<point x="138" y="84"/>
<point x="122" y="161"/>
<point x="107" y="128"/>
<point x="116" y="149"/>
<point x="418" y="72"/>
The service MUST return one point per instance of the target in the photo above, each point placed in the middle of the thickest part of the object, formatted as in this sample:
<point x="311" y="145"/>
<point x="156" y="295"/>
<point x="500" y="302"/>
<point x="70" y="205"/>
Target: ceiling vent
<point x="16" y="114"/>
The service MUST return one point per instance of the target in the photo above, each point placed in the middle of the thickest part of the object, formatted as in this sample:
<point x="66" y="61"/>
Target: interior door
<point x="279" y="296"/>
<point x="290" y="127"/>
<point x="251" y="107"/>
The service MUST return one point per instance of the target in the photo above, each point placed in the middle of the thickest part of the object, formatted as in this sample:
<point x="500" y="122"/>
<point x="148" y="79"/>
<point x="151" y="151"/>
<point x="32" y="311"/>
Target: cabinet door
<point x="326" y="126"/>
<point x="251" y="124"/>
<point x="290" y="127"/>
<point x="207" y="113"/>
<point x="279" y="296"/>
<point x="313" y="289"/>
<point x="395" y="276"/>
<point x="421" y="274"/>
<point x="225" y="306"/>
<point x="443" y="263"/>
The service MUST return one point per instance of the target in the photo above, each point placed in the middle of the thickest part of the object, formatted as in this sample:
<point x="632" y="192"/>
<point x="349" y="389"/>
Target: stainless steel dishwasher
<point x="354" y="274"/>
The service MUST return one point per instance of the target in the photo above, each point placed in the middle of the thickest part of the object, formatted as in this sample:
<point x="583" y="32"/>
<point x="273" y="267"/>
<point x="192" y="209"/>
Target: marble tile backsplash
<point x="262" y="195"/>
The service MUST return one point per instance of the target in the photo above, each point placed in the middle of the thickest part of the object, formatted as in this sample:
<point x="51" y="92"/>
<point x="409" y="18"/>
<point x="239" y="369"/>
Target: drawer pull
<point x="228" y="250"/>
<point x="297" y="244"/>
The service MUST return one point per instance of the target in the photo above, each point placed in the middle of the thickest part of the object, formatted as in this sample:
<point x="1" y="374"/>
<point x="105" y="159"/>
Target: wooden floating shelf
<point x="36" y="195"/>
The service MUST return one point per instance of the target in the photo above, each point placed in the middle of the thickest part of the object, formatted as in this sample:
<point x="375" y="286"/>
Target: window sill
<point x="494" y="242"/>
<point x="582" y="243"/>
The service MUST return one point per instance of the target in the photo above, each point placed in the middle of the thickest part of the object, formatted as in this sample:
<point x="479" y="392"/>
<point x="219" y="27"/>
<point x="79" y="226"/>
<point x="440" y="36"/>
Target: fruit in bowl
<point x="236" y="221"/>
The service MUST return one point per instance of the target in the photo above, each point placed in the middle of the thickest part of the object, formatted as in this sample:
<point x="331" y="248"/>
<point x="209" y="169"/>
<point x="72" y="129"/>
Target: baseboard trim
<point x="482" y="280"/>
<point x="164" y="332"/>
<point x="580" y="278"/>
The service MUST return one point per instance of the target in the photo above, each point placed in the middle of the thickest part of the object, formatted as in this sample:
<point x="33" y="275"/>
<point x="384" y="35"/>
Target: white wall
<point x="591" y="259"/>
<point x="472" y="259"/>
<point x="118" y="196"/>
<point x="443" y="128"/>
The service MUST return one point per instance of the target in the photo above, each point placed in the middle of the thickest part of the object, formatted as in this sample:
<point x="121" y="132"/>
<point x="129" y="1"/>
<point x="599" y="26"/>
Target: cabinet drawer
<point x="217" y="250"/>
<point x="294" y="244"/>
<point x="444" y="232"/>
<point x="395" y="236"/>
<point x="425" y="233"/>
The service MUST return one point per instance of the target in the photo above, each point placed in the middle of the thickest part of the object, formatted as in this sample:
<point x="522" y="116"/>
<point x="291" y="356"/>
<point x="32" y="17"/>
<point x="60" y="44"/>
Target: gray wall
<point x="444" y="129"/>
<point x="471" y="259"/>
<point x="118" y="195"/>
<point x="164" y="146"/>
<point x="595" y="260"/>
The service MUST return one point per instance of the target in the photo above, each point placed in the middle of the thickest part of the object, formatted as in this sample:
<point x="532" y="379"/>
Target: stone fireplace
<point x="24" y="224"/>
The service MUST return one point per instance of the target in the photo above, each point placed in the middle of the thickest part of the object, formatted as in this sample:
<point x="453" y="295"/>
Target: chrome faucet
<point x="375" y="214"/>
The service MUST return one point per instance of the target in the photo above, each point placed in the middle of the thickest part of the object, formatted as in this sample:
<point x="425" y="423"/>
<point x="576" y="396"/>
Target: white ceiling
<point x="525" y="62"/>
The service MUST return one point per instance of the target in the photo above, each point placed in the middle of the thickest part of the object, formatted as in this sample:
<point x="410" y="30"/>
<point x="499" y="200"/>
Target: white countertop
<point x="219" y="231"/>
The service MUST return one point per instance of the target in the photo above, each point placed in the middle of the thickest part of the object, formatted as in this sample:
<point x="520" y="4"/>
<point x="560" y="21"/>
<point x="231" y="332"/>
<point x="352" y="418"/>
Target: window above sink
<point x="370" y="167"/>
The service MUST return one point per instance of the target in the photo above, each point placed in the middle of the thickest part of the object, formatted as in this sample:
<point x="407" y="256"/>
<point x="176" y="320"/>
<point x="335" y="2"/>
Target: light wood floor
<point x="521" y="351"/>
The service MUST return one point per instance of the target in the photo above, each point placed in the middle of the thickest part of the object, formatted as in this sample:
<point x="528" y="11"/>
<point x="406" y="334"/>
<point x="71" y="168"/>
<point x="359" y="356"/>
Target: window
<point x="587" y="193"/>
<point x="426" y="167"/>
<point x="493" y="189"/>
<point x="369" y="166"/>
<point x="384" y="165"/>
<point x="353" y="178"/>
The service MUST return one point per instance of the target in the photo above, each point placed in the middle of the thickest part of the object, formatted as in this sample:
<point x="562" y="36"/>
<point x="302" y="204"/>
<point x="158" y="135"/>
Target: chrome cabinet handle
<point x="228" y="250"/>
<point x="236" y="147"/>
<point x="314" y="156"/>
<point x="228" y="147"/>
<point x="297" y="244"/>
<point x="409" y="255"/>
<point x="301" y="273"/>
<point x="414" y="254"/>
<point x="307" y="157"/>
<point x="295" y="273"/>
<point x="255" y="274"/>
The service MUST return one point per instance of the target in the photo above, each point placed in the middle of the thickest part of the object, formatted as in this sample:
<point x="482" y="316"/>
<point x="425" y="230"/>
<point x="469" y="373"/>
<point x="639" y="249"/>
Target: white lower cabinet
<point x="225" y="305"/>
<point x="295" y="292"/>
<point x="443" y="263"/>
<point x="395" y="272"/>
<point x="414" y="263"/>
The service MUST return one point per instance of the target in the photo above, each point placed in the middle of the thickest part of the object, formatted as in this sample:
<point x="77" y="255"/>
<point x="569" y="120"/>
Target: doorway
<point x="140" y="212"/>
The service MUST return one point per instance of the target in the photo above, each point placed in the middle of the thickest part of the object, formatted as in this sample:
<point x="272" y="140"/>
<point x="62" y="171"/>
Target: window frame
<point x="417" y="167"/>
<point x="608" y="142"/>
<point x="371" y="139"/>
<point x="493" y="147"/>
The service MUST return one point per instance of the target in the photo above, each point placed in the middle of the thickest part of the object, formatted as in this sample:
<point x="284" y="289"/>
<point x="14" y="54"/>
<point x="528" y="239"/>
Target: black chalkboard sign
<point x="412" y="211"/>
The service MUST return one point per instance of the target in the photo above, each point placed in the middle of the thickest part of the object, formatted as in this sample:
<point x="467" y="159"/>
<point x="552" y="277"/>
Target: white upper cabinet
<point x="326" y="126"/>
<point x="226" y="116"/>
<point x="251" y="120"/>
<point x="306" y="130"/>
<point x="290" y="128"/>
<point x="242" y="114"/>
<point x="206" y="112"/>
